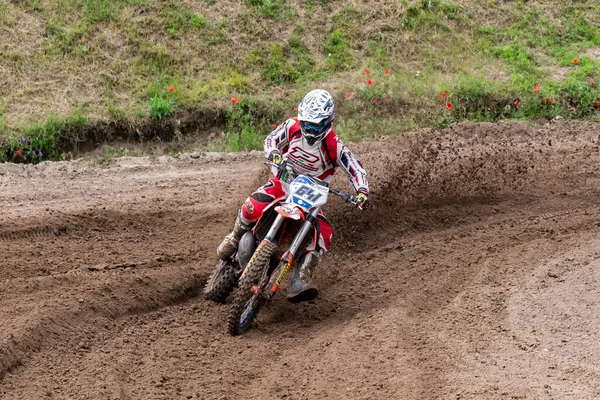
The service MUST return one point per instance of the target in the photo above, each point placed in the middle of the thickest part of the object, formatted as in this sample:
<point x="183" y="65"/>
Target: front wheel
<point x="247" y="301"/>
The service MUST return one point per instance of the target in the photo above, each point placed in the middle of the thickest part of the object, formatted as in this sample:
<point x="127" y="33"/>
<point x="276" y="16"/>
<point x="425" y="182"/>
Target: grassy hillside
<point x="143" y="67"/>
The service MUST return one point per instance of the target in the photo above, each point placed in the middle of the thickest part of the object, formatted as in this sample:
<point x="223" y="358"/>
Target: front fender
<point x="290" y="211"/>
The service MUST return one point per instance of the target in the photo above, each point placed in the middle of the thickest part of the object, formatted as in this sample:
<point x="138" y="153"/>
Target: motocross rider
<point x="310" y="145"/>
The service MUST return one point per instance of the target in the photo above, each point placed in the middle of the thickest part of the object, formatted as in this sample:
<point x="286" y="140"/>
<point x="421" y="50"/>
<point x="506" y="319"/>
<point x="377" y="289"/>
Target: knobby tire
<point x="260" y="259"/>
<point x="220" y="284"/>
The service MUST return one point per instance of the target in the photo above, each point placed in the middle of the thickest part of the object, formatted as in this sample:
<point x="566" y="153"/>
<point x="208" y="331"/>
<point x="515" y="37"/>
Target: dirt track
<point x="475" y="276"/>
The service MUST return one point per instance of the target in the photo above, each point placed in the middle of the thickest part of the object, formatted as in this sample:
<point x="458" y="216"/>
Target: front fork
<point x="288" y="258"/>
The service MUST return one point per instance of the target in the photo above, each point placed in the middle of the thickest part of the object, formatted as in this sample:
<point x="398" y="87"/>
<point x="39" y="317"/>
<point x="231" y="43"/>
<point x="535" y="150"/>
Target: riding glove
<point x="362" y="201"/>
<point x="275" y="157"/>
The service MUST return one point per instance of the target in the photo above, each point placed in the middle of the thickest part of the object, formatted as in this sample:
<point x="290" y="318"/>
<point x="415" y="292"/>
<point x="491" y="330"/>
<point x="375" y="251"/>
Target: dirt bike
<point x="267" y="253"/>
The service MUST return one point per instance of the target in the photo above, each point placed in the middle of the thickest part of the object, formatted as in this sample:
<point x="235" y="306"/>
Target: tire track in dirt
<point x="50" y="319"/>
<point x="415" y="296"/>
<point x="31" y="233"/>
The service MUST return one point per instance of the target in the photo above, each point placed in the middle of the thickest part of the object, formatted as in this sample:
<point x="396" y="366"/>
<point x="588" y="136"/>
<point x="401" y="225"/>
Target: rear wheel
<point x="221" y="282"/>
<point x="247" y="301"/>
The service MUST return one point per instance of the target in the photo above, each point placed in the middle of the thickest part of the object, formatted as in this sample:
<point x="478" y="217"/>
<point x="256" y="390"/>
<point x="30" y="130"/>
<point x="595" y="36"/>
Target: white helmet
<point x="315" y="113"/>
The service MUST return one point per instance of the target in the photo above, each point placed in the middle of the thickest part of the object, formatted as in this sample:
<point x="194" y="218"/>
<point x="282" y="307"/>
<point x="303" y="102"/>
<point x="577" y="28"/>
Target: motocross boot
<point x="301" y="289"/>
<point x="229" y="245"/>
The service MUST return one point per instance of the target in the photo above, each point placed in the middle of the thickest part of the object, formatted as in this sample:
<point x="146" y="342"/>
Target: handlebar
<point x="347" y="197"/>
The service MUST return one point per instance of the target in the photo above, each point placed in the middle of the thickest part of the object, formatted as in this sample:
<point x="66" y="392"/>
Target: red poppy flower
<point x="550" y="100"/>
<point x="536" y="88"/>
<point x="386" y="72"/>
<point x="273" y="126"/>
<point x="449" y="106"/>
<point x="369" y="82"/>
<point x="597" y="104"/>
<point x="171" y="88"/>
<point x="295" y="108"/>
<point x="234" y="100"/>
<point x="443" y="95"/>
<point x="18" y="152"/>
<point x="576" y="61"/>
<point x="348" y="95"/>
<point x="516" y="103"/>
<point x="367" y="71"/>
<point x="592" y="83"/>
<point x="374" y="101"/>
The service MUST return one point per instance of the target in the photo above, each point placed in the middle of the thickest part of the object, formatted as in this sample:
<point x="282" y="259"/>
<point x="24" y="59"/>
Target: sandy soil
<point x="474" y="276"/>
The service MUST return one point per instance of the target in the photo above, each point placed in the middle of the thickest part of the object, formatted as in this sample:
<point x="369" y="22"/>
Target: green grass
<point x="36" y="143"/>
<point x="161" y="107"/>
<point x="242" y="140"/>
<point x="115" y="112"/>
<point x="339" y="54"/>
<point x="272" y="9"/>
<point x="73" y="63"/>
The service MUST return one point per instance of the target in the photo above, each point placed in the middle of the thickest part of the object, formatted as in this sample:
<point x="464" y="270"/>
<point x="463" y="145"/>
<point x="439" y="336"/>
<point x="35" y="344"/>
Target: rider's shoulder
<point x="332" y="139"/>
<point x="291" y="124"/>
<point x="293" y="127"/>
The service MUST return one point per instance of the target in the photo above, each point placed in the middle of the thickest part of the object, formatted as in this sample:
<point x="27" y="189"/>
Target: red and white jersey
<point x="318" y="160"/>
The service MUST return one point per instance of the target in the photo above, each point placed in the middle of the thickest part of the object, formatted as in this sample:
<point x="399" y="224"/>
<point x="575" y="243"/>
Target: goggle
<point x="314" y="126"/>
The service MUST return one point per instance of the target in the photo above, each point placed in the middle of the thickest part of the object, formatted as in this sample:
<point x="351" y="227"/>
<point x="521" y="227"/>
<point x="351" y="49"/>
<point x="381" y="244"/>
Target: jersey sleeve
<point x="352" y="167"/>
<point x="279" y="138"/>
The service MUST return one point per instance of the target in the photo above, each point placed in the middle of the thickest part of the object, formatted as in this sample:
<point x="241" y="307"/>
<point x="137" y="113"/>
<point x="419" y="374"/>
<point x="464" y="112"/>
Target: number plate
<point x="307" y="194"/>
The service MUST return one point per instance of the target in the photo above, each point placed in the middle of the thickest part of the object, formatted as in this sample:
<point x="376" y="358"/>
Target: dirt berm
<point x="476" y="275"/>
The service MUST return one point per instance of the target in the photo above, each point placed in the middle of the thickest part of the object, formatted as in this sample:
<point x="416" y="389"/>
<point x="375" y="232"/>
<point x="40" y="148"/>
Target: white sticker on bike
<point x="307" y="194"/>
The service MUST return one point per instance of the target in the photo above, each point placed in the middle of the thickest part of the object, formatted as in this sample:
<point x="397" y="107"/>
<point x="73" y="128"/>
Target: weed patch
<point x="178" y="20"/>
<point x="272" y="9"/>
<point x="429" y="14"/>
<point x="161" y="107"/>
<point x="339" y="57"/>
<point x="96" y="11"/>
<point x="36" y="143"/>
<point x="287" y="64"/>
<point x="247" y="123"/>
